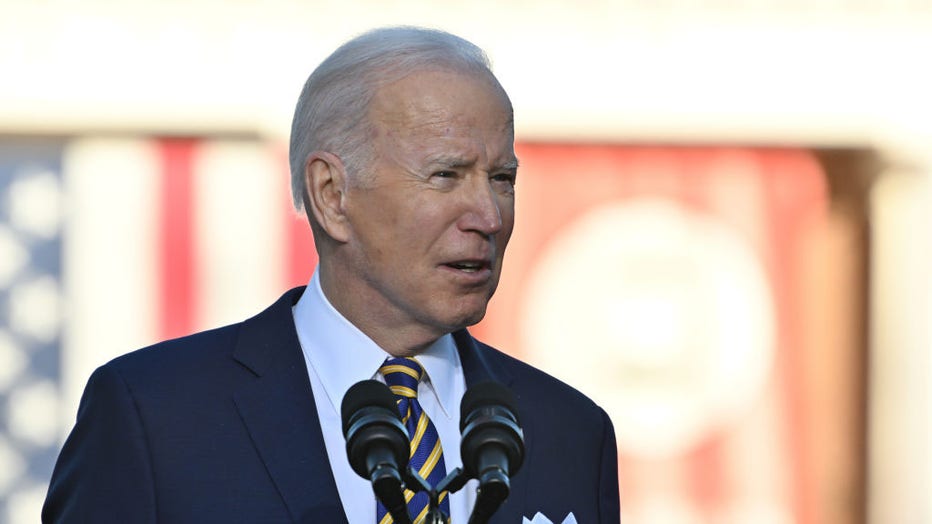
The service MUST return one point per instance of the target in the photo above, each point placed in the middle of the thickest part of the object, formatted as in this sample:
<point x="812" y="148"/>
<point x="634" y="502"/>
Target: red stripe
<point x="300" y="253"/>
<point x="177" y="298"/>
<point x="796" y="189"/>
<point x="705" y="479"/>
<point x="302" y="257"/>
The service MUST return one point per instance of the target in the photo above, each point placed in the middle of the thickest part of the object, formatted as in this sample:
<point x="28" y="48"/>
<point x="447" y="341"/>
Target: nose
<point x="482" y="209"/>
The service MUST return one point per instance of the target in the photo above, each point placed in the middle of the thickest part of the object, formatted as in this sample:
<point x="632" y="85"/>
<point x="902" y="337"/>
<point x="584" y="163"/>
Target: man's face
<point x="432" y="215"/>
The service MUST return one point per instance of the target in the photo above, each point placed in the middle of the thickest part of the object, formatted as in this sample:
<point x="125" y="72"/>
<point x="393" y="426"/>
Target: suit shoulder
<point x="178" y="353"/>
<point x="206" y="346"/>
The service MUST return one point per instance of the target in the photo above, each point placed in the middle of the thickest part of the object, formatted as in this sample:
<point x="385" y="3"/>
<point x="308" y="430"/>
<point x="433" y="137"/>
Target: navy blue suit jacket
<point x="221" y="426"/>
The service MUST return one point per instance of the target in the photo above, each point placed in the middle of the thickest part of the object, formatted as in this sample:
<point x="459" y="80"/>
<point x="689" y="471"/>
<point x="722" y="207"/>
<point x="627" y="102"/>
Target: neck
<point x="398" y="337"/>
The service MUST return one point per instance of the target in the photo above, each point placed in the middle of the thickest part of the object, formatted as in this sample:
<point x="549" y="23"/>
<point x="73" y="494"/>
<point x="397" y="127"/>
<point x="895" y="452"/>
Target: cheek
<point x="501" y="241"/>
<point x="403" y="237"/>
<point x="507" y="210"/>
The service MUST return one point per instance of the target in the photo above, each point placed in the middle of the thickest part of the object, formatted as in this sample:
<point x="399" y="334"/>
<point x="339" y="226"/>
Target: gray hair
<point x="331" y="113"/>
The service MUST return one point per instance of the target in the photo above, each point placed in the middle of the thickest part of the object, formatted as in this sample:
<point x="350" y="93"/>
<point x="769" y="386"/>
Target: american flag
<point x="30" y="322"/>
<point x="111" y="244"/>
<point x="108" y="244"/>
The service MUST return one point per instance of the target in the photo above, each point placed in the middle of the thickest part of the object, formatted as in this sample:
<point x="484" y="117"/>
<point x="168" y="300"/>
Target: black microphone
<point x="377" y="443"/>
<point x="492" y="448"/>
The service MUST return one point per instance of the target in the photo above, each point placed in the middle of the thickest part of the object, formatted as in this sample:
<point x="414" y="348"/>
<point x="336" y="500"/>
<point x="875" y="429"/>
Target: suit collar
<point x="342" y="355"/>
<point x="279" y="412"/>
<point x="477" y="366"/>
<point x="262" y="337"/>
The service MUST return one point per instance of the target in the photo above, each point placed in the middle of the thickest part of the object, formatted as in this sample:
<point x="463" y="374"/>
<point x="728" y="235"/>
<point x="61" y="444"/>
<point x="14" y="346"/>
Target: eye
<point x="507" y="178"/>
<point x="445" y="174"/>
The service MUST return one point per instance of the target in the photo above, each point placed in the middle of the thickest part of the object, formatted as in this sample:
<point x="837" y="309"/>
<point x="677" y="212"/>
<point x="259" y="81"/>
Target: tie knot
<point x="402" y="375"/>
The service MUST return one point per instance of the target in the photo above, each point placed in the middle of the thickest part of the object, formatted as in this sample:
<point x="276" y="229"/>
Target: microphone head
<point x="375" y="436"/>
<point x="364" y="394"/>
<point x="485" y="394"/>
<point x="490" y="428"/>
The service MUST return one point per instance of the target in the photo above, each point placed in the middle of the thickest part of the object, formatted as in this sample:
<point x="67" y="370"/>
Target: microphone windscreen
<point x="368" y="393"/>
<point x="486" y="394"/>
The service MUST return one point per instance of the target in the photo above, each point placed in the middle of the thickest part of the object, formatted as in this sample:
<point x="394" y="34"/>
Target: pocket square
<point x="539" y="518"/>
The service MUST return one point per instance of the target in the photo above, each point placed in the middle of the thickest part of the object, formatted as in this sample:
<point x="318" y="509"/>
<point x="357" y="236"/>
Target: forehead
<point x="441" y="102"/>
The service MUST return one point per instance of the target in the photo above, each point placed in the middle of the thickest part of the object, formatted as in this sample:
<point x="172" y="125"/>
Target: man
<point x="402" y="157"/>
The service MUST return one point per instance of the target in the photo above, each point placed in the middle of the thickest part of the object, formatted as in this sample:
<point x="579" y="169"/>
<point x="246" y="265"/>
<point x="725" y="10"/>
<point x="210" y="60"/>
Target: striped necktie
<point x="403" y="375"/>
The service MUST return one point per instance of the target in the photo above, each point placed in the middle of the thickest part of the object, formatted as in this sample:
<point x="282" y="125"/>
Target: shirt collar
<point x="342" y="355"/>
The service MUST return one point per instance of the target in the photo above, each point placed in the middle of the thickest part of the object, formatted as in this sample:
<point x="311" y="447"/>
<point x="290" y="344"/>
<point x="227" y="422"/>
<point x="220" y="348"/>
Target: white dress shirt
<point x="339" y="355"/>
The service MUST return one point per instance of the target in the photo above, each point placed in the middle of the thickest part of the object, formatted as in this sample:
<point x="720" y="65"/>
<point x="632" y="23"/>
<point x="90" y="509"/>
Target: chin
<point x="471" y="318"/>
<point x="457" y="314"/>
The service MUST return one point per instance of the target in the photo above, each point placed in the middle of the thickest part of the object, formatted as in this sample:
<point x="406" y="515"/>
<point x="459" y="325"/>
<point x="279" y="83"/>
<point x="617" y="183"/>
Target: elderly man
<point x="402" y="157"/>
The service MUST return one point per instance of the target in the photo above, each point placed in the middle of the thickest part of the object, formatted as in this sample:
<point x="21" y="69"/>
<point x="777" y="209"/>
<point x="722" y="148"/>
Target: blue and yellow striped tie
<point x="403" y="375"/>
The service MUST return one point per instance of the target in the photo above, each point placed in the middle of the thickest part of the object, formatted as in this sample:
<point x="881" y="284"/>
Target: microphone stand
<point x="497" y="491"/>
<point x="450" y="484"/>
<point x="387" y="484"/>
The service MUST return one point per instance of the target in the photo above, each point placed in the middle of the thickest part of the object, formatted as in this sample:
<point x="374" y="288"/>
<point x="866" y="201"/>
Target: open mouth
<point x="469" y="266"/>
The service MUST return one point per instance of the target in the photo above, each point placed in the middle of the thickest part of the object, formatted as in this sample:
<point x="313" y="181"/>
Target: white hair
<point x="331" y="113"/>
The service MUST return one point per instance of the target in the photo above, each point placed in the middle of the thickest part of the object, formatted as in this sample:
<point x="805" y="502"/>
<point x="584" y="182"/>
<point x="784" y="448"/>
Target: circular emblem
<point x="661" y="315"/>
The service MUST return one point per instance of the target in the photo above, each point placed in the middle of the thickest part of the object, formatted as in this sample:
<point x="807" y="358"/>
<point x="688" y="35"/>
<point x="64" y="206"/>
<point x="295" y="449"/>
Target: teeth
<point x="469" y="267"/>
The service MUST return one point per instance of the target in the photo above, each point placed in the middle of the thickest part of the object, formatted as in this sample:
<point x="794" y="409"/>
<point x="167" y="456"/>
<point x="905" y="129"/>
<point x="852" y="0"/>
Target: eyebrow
<point x="510" y="165"/>
<point x="460" y="162"/>
<point x="450" y="161"/>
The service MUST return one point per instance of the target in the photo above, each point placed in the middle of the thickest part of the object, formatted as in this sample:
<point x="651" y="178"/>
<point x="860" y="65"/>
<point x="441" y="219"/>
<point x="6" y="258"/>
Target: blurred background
<point x="723" y="217"/>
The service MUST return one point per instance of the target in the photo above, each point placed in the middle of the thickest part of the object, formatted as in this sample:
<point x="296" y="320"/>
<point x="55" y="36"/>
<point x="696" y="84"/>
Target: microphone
<point x="492" y="447"/>
<point x="377" y="443"/>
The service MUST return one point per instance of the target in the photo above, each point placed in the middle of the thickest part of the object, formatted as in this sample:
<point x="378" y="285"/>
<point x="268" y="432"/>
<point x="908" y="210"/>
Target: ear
<point x="325" y="180"/>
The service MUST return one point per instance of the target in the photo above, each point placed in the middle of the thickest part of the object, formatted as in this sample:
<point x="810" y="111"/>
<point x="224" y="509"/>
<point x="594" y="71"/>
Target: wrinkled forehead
<point x="438" y="97"/>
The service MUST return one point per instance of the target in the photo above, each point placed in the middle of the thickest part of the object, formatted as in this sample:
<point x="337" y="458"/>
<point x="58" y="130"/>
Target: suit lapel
<point x="279" y="411"/>
<point x="476" y="365"/>
<point x="480" y="364"/>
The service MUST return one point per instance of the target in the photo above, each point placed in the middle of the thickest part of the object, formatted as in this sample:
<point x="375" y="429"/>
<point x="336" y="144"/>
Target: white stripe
<point x="109" y="258"/>
<point x="900" y="432"/>
<point x="241" y="196"/>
